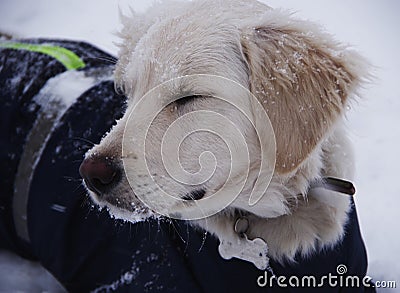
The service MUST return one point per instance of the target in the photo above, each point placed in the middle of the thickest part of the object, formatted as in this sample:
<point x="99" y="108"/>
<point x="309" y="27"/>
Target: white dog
<point x="304" y="81"/>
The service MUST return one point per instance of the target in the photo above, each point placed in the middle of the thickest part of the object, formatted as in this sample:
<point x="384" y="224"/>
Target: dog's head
<point x="186" y="135"/>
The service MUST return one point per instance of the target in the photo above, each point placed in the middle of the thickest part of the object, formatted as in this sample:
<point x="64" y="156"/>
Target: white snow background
<point x="372" y="27"/>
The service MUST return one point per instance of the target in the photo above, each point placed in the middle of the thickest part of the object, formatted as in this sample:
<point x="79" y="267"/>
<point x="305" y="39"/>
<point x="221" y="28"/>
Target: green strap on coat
<point x="66" y="57"/>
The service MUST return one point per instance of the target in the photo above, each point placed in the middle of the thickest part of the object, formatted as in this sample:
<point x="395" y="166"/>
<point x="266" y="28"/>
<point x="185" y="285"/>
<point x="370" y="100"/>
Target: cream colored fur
<point x="302" y="77"/>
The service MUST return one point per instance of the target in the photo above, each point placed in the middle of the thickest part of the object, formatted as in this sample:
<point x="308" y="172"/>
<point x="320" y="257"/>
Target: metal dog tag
<point x="254" y="251"/>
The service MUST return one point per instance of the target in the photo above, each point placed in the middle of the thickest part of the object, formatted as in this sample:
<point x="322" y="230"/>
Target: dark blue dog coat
<point x="53" y="104"/>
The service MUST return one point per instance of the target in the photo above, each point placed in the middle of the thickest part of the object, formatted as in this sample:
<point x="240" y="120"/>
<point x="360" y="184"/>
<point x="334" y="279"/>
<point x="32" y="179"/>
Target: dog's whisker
<point x="107" y="59"/>
<point x="86" y="202"/>
<point x="78" y="187"/>
<point x="171" y="221"/>
<point x="203" y="242"/>
<point x="187" y="236"/>
<point x="83" y="139"/>
<point x="72" y="179"/>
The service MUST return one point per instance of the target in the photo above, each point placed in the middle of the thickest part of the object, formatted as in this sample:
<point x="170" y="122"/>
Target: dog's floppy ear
<point x="302" y="78"/>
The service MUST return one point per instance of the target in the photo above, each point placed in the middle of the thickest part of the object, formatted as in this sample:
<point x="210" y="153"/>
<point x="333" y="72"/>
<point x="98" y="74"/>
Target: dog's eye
<point x="195" y="195"/>
<point x="186" y="99"/>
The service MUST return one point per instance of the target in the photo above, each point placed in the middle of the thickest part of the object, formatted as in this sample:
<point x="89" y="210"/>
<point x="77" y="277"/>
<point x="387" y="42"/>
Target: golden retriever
<point x="234" y="116"/>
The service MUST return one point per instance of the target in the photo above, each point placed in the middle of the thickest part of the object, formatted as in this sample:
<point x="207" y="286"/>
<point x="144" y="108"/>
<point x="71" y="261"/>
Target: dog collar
<point x="335" y="184"/>
<point x="256" y="250"/>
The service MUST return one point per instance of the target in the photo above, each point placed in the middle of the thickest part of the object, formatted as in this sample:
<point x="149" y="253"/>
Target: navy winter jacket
<point x="82" y="246"/>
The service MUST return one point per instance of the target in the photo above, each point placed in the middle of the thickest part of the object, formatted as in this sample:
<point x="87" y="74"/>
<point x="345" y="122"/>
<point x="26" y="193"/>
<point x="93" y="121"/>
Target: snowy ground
<point x="373" y="27"/>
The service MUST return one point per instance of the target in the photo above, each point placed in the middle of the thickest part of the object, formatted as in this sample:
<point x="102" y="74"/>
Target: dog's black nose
<point x="100" y="174"/>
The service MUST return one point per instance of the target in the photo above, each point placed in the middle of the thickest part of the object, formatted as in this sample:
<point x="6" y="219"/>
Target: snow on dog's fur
<point x="303" y="79"/>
